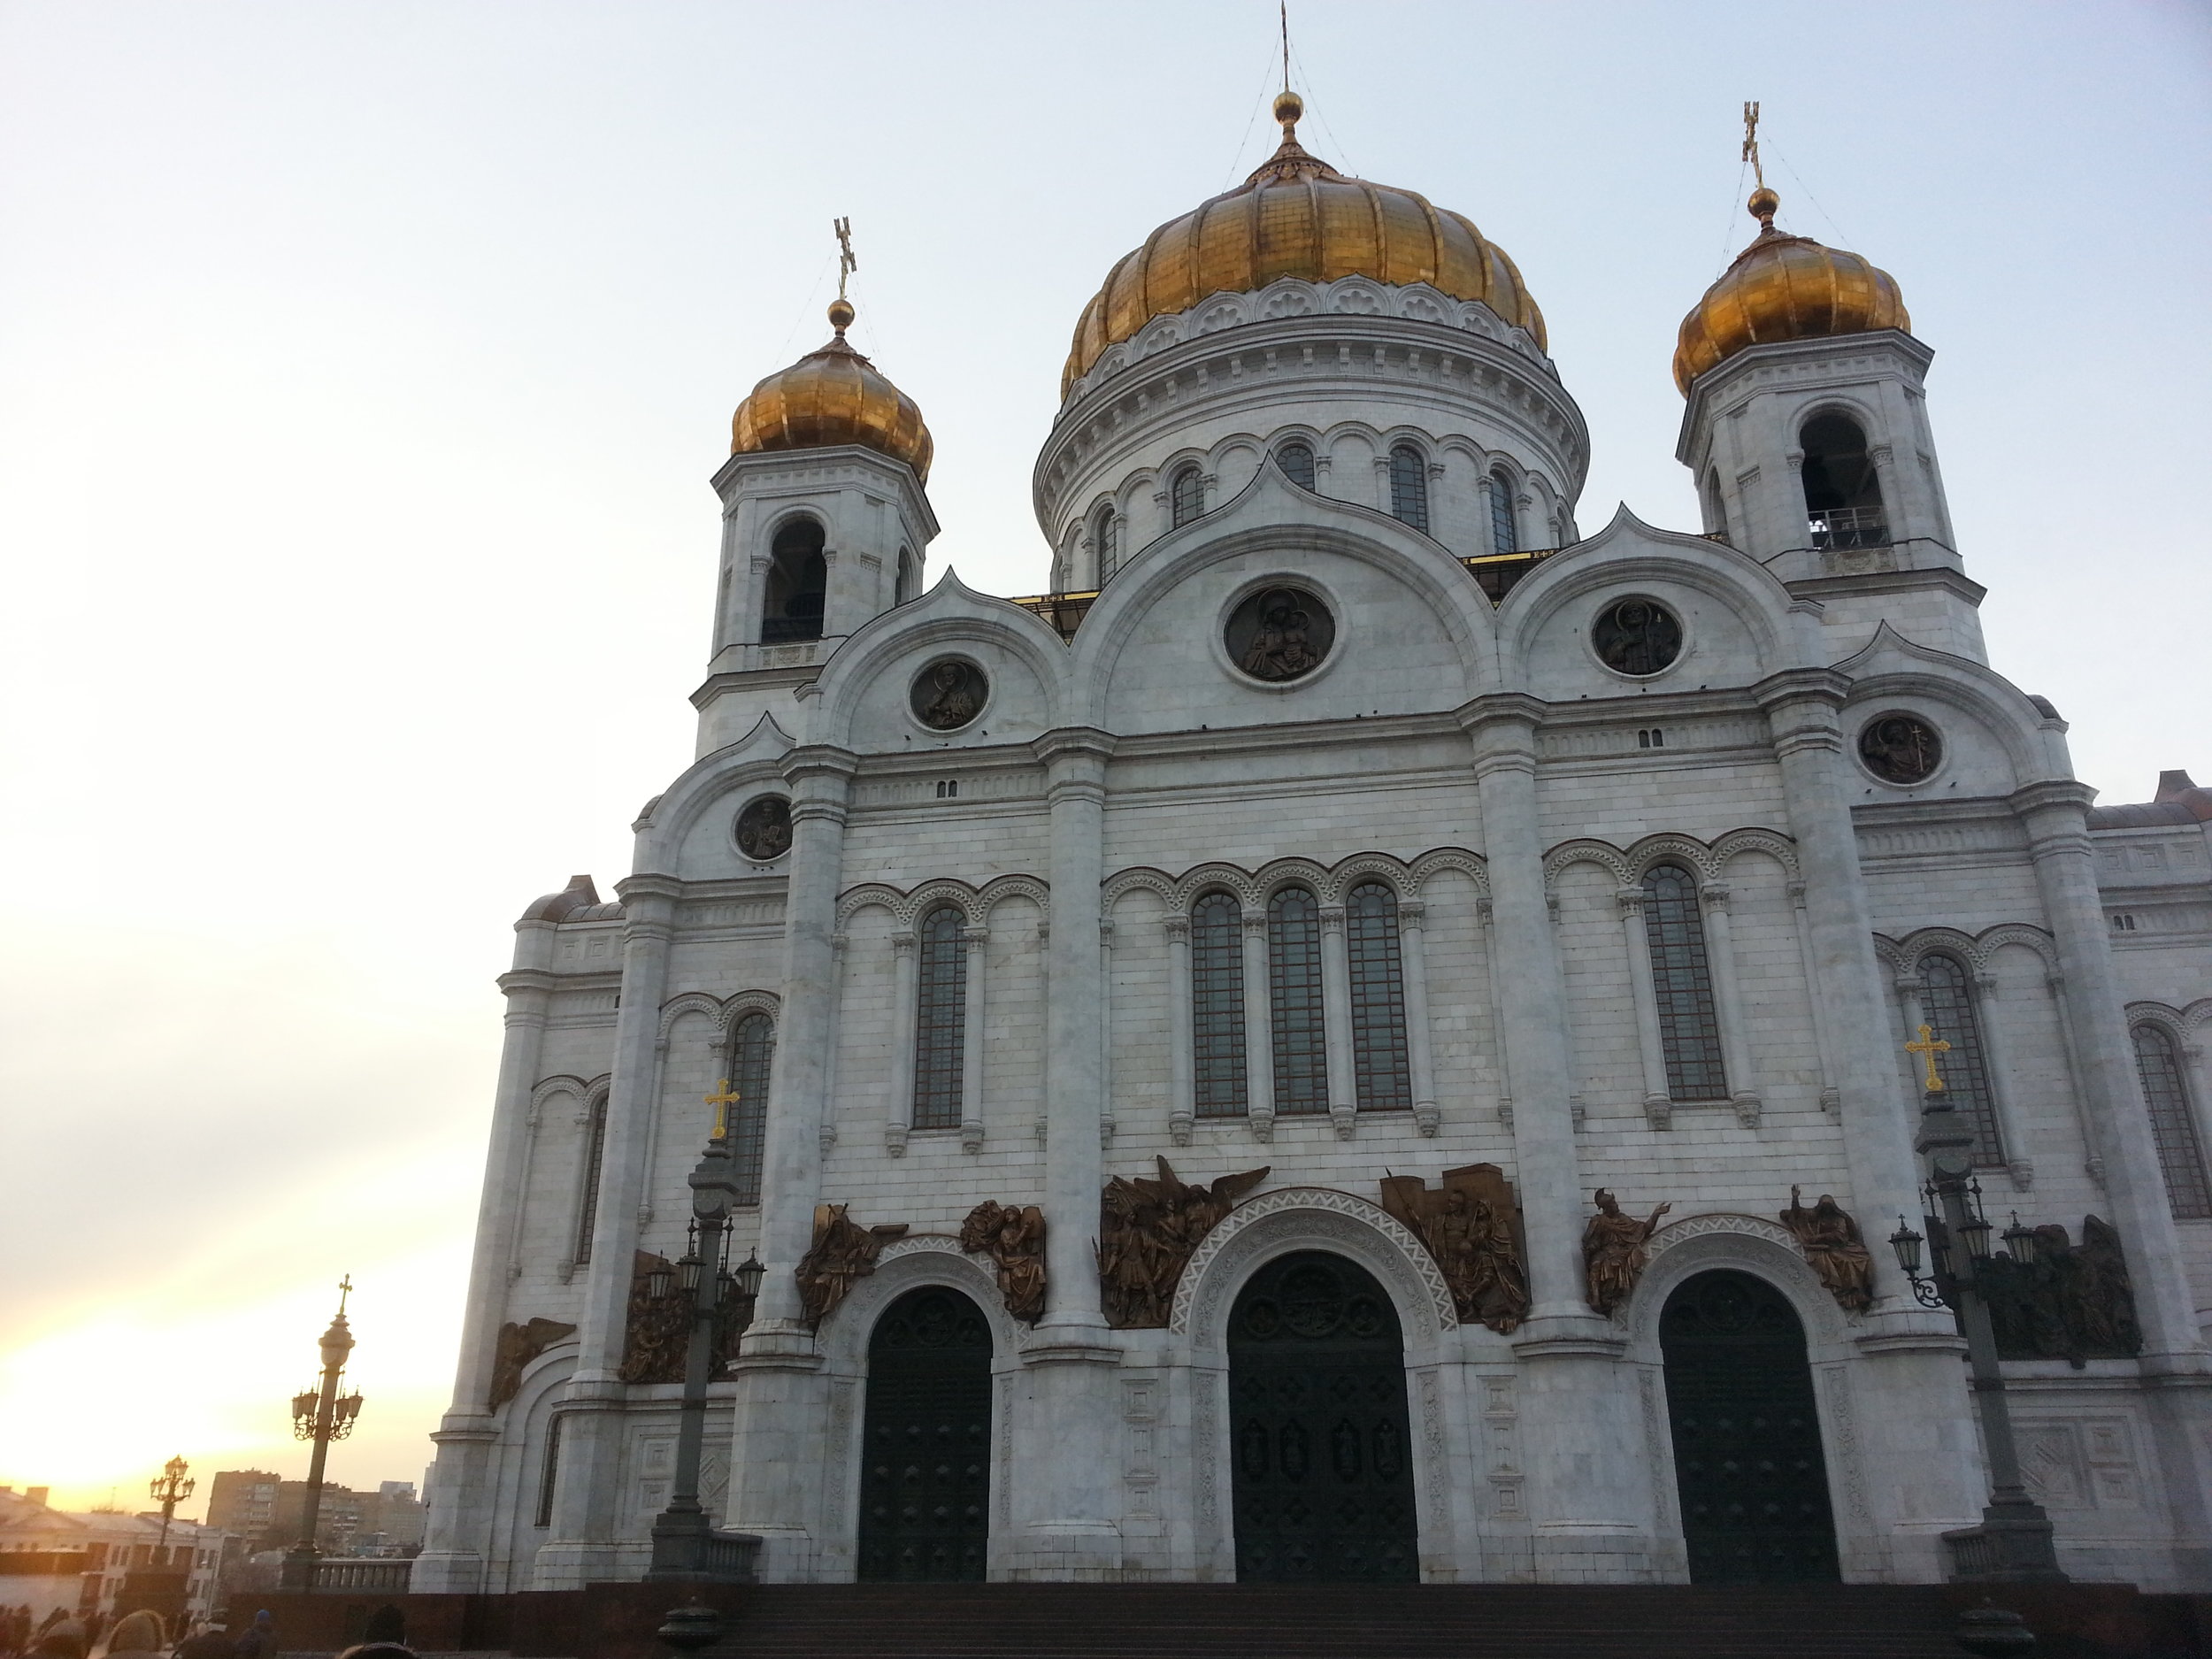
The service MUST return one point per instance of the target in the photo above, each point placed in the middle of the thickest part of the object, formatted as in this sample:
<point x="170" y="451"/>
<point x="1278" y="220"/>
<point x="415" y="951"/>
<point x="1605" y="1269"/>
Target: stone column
<point x="1105" y="1027"/>
<point x="1650" y="1046"/>
<point x="582" y="1544"/>
<point x="776" y="1449"/>
<point x="1069" y="1499"/>
<point x="1919" y="1454"/>
<point x="1720" y="955"/>
<point x="976" y="941"/>
<point x="461" y="1514"/>
<point x="1831" y="1103"/>
<point x="1259" y="1031"/>
<point x="1182" y="1064"/>
<point x="898" y="1117"/>
<point x="1413" y="963"/>
<point x="1336" y="1023"/>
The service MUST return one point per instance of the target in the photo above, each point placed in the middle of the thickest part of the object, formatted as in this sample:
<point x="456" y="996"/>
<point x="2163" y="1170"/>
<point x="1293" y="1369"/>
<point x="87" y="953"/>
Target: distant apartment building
<point x="103" y="1561"/>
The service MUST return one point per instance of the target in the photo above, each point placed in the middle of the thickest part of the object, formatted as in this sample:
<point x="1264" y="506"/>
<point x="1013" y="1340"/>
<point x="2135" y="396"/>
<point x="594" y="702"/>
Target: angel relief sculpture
<point x="1472" y="1227"/>
<point x="1013" y="1235"/>
<point x="1830" y="1239"/>
<point x="1613" y="1251"/>
<point x="1147" y="1231"/>
<point x="844" y="1253"/>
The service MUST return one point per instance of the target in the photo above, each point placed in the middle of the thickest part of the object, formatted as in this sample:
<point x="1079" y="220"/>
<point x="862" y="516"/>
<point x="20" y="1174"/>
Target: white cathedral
<point x="1362" y="1035"/>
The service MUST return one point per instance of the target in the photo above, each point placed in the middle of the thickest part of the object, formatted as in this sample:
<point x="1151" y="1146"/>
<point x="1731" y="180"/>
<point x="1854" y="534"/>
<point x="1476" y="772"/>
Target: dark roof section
<point x="579" y="896"/>
<point x="2181" y="800"/>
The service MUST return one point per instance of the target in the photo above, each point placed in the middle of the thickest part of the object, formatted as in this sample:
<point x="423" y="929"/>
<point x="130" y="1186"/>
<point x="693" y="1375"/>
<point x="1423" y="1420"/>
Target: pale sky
<point x="362" y="367"/>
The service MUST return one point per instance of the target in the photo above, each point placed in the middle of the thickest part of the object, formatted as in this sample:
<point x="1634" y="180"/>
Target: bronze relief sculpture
<point x="1147" y="1231"/>
<point x="1613" y="1251"/>
<point x="2074" y="1303"/>
<point x="519" y="1345"/>
<point x="1013" y="1235"/>
<point x="658" y="1332"/>
<point x="1830" y="1240"/>
<point x="843" y="1253"/>
<point x="1472" y="1228"/>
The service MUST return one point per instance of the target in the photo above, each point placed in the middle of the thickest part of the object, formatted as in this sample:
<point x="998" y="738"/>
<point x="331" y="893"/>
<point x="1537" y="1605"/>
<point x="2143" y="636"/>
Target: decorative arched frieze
<point x="1140" y="878"/>
<point x="744" y="1003"/>
<point x="909" y="1264"/>
<point x="1607" y="856"/>
<point x="1707" y="861"/>
<point x="975" y="903"/>
<point x="1773" y="843"/>
<point x="553" y="1088"/>
<point x="1467" y="864"/>
<point x="1330" y="882"/>
<point x="1303" y="1219"/>
<point x="689" y="1002"/>
<point x="1750" y="1244"/>
<point x="1903" y="956"/>
<point x="1283" y="872"/>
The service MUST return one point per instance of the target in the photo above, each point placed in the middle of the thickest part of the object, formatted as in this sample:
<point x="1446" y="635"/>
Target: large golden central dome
<point x="1297" y="217"/>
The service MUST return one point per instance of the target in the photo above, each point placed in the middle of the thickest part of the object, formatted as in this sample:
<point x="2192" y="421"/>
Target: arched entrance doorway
<point x="926" y="1473"/>
<point x="1323" y="1460"/>
<point x="1748" y="1459"/>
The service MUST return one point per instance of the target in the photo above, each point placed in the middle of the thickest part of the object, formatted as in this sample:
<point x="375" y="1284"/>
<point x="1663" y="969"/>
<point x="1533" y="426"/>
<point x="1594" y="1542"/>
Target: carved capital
<point x="976" y="937"/>
<point x="1713" y="896"/>
<point x="1331" y="919"/>
<point x="1630" y="900"/>
<point x="1749" y="1109"/>
<point x="828" y="1137"/>
<point x="1256" y="924"/>
<point x="1831" y="1102"/>
<point x="1427" y="1119"/>
<point x="894" y="1134"/>
<point x="1179" y="1127"/>
<point x="1658" y="1112"/>
<point x="972" y="1135"/>
<point x="1411" y="913"/>
<point x="1505" y="1111"/>
<point x="902" y="944"/>
<point x="1795" y="887"/>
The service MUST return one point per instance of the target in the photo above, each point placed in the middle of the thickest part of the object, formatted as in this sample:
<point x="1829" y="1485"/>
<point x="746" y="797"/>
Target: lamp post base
<point x="298" y="1571"/>
<point x="687" y="1549"/>
<point x="2014" y="1544"/>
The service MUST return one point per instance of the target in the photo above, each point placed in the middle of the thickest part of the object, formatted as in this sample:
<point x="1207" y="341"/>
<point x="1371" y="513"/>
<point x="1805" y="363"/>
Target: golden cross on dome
<point x="1282" y="11"/>
<point x="1751" y="140"/>
<point x="345" y="1289"/>
<point x="729" y="1097"/>
<point x="1929" y="1045"/>
<point x="846" y="265"/>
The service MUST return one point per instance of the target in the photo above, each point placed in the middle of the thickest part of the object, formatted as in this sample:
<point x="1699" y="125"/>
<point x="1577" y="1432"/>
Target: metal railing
<point x="343" y="1574"/>
<point x="789" y="630"/>
<point x="1848" y="528"/>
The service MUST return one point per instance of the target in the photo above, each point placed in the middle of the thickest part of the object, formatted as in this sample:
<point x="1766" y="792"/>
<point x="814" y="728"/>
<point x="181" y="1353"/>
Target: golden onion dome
<point x="1784" y="287"/>
<point x="1297" y="217"/>
<point x="833" y="396"/>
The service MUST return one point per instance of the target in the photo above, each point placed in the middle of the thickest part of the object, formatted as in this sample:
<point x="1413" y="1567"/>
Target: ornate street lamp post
<point x="2014" y="1542"/>
<point x="686" y="1544"/>
<point x="172" y="1488"/>
<point x="319" y="1414"/>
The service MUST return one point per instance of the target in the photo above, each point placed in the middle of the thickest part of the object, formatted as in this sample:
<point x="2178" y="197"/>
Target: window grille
<point x="1107" y="536"/>
<point x="549" y="1472"/>
<point x="1410" y="487"/>
<point x="1503" y="537"/>
<point x="941" y="1019"/>
<point x="1295" y="1007"/>
<point x="1186" y="496"/>
<point x="1379" y="1064"/>
<point x="1681" y="977"/>
<point x="2173" y="1125"/>
<point x="1217" y="983"/>
<point x="595" y="1151"/>
<point x="752" y="1051"/>
<point x="1948" y="1004"/>
<point x="1296" y="460"/>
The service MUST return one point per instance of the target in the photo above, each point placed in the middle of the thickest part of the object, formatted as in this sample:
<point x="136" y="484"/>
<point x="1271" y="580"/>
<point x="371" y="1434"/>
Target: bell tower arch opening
<point x="798" y="583"/>
<point x="1843" y="496"/>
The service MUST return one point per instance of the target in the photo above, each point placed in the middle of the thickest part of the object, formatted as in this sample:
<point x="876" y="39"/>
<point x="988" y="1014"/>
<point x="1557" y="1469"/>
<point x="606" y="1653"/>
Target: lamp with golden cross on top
<point x="1929" y="1046"/>
<point x="729" y="1097"/>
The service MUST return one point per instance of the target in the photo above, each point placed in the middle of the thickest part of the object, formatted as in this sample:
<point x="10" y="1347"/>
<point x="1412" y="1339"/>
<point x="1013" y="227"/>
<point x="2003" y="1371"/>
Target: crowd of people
<point x="62" y="1634"/>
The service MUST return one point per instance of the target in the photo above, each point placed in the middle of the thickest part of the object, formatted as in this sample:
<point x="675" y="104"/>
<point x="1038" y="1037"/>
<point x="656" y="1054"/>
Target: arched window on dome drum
<point x="941" y="1018"/>
<point x="1682" y="983"/>
<point x="2173" y="1123"/>
<point x="1503" y="537"/>
<point x="902" y="589"/>
<point x="1217" y="988"/>
<point x="1947" y="1005"/>
<point x="1410" y="487"/>
<point x="752" y="1051"/>
<point x="1383" y="1073"/>
<point x="1294" y="999"/>
<point x="1295" y="459"/>
<point x="594" y="1153"/>
<point x="1843" y="494"/>
<point x="1186" y="496"/>
<point x="1716" y="506"/>
<point x="798" y="578"/>
<point x="1106" y="537"/>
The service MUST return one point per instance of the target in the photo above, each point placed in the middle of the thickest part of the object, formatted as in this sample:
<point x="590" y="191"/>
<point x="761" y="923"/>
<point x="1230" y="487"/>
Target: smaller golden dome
<point x="831" y="396"/>
<point x="1784" y="287"/>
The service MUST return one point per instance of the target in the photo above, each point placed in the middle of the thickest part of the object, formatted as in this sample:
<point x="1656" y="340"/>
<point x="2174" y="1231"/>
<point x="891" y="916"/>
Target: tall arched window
<point x="798" y="578"/>
<point x="1294" y="995"/>
<point x="1186" y="496"/>
<point x="1410" y="487"/>
<point x="594" y="1153"/>
<point x="2173" y="1123"/>
<point x="1843" y="494"/>
<point x="1682" y="980"/>
<point x="1106" y="537"/>
<point x="941" y="1019"/>
<point x="902" y="585"/>
<point x="1379" y="1063"/>
<point x="752" y="1050"/>
<point x="1503" y="537"/>
<point x="1216" y="988"/>
<point x="1295" y="459"/>
<point x="1948" y="1004"/>
<point x="1716" y="505"/>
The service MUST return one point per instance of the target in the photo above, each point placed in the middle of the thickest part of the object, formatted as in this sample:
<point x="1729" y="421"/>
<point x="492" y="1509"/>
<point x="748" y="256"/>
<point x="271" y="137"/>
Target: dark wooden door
<point x="924" y="1484"/>
<point x="1748" y="1460"/>
<point x="1318" y="1439"/>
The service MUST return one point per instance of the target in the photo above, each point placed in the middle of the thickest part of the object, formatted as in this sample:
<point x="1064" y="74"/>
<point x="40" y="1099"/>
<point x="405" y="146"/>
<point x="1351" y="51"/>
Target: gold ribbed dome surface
<point x="1297" y="217"/>
<point x="1784" y="287"/>
<point x="833" y="396"/>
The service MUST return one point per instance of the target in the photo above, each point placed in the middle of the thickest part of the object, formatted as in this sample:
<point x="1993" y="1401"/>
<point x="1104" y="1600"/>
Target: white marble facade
<point x="1481" y="759"/>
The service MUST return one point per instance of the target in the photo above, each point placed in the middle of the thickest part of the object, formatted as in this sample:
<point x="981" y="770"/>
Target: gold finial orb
<point x="1762" y="206"/>
<point x="1289" y="107"/>
<point x="841" y="314"/>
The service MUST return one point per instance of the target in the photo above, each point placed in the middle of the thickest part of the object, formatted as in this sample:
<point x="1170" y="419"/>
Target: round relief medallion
<point x="1899" y="748"/>
<point x="764" y="828"/>
<point x="1279" y="634"/>
<point x="1637" y="636"/>
<point x="948" y="693"/>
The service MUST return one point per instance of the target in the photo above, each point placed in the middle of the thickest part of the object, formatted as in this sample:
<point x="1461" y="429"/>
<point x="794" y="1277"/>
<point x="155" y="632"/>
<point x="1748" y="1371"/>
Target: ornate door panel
<point x="926" y="1478"/>
<point x="1318" y="1439"/>
<point x="1748" y="1459"/>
